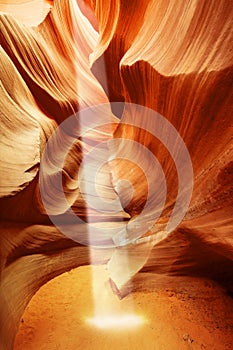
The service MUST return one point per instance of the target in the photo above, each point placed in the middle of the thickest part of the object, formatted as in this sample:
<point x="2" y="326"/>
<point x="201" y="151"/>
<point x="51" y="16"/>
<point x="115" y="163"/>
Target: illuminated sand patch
<point x="59" y="316"/>
<point x="119" y="321"/>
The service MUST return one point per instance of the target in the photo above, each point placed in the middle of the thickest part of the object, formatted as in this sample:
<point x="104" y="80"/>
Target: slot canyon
<point x="116" y="175"/>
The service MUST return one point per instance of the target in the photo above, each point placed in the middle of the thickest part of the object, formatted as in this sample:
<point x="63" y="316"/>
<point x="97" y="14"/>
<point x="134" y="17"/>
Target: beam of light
<point x="109" y="312"/>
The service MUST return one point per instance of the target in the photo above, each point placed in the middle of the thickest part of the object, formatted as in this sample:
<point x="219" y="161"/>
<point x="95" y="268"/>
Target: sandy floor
<point x="60" y="316"/>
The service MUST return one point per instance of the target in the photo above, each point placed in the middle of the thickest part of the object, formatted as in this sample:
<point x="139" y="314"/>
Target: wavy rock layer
<point x="174" y="58"/>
